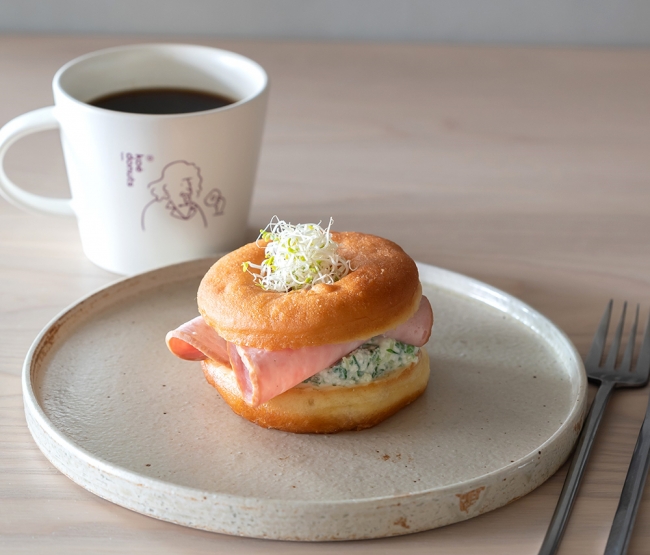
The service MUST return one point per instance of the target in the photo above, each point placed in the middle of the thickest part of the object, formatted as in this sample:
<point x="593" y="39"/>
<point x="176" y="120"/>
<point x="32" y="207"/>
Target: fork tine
<point x="610" y="363"/>
<point x="598" y="344"/>
<point x="626" y="363"/>
<point x="643" y="362"/>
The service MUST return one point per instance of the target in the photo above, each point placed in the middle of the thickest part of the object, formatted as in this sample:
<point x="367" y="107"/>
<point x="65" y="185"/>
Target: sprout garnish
<point x="297" y="256"/>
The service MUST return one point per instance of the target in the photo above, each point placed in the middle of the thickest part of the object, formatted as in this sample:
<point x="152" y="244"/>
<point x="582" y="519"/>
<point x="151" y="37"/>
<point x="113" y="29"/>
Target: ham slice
<point x="262" y="375"/>
<point x="265" y="374"/>
<point x="195" y="340"/>
<point x="416" y="330"/>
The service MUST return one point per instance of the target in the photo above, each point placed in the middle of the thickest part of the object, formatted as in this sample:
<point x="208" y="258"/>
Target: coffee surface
<point x="161" y="101"/>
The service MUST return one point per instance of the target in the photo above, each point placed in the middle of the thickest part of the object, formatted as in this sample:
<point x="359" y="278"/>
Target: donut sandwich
<point x="334" y="353"/>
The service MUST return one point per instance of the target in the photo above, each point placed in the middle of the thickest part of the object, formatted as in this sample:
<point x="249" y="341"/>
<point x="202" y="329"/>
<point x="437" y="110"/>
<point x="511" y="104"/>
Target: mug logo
<point x="177" y="192"/>
<point x="133" y="163"/>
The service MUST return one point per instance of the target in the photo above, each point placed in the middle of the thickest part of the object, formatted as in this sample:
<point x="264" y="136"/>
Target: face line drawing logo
<point x="176" y="193"/>
<point x="177" y="190"/>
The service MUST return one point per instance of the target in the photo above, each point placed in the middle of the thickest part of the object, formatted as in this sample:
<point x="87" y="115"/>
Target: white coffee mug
<point x="151" y="190"/>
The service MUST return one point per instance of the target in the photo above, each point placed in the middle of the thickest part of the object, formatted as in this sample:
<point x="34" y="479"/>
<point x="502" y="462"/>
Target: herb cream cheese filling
<point x="375" y="358"/>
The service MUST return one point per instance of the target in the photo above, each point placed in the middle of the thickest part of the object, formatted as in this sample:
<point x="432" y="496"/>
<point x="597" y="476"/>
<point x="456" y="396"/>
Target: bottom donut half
<point x="324" y="410"/>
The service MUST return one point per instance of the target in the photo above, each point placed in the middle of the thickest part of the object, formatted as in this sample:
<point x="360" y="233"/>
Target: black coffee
<point x="161" y="101"/>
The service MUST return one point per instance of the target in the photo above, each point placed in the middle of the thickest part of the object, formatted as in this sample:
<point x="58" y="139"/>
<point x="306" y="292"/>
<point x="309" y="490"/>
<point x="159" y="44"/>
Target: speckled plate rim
<point x="298" y="520"/>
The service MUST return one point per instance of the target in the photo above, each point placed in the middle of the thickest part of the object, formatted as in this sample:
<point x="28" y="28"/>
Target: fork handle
<point x="576" y="470"/>
<point x="621" y="532"/>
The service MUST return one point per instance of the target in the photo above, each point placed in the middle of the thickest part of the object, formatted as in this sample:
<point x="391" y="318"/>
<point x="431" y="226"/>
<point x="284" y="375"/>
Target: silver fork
<point x="621" y="531"/>
<point x="609" y="376"/>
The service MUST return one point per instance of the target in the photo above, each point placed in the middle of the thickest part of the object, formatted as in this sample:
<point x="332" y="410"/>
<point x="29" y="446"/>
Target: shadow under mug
<point x="150" y="190"/>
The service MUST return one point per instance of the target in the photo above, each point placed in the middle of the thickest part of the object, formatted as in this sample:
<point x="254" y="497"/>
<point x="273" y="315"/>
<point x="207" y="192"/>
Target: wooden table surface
<point x="527" y="168"/>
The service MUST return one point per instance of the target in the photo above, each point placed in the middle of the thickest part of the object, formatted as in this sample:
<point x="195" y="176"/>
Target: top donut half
<point x="381" y="292"/>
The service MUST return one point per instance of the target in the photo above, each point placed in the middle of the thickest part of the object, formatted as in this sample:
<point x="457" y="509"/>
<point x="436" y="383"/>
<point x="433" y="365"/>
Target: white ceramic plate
<point x="112" y="409"/>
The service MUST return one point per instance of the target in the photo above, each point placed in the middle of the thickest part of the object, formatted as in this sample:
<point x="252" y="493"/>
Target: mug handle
<point x="42" y="119"/>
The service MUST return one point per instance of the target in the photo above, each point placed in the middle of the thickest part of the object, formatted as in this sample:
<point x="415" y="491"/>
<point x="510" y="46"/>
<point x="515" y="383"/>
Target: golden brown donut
<point x="382" y="292"/>
<point x="322" y="410"/>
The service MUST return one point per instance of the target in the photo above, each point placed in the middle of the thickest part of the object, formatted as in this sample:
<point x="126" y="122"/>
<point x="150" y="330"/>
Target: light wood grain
<point x="525" y="168"/>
